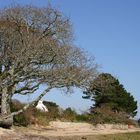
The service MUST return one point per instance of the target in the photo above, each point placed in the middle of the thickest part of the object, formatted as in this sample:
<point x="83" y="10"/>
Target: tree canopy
<point x="36" y="47"/>
<point x="106" y="90"/>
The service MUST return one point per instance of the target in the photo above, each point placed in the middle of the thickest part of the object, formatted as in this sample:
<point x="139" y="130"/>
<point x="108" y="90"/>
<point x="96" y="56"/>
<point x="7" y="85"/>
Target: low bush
<point x="105" y="114"/>
<point x="68" y="115"/>
<point x="33" y="116"/>
<point x="82" y="117"/>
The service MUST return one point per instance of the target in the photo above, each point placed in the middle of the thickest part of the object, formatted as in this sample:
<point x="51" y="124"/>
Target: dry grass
<point x="125" y="136"/>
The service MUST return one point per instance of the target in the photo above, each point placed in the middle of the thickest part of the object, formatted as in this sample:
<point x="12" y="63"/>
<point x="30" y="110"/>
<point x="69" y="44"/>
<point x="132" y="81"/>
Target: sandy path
<point x="62" y="129"/>
<point x="78" y="129"/>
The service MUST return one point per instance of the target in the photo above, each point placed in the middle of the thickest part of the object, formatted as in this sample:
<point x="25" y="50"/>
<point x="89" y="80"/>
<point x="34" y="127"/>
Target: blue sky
<point x="108" y="29"/>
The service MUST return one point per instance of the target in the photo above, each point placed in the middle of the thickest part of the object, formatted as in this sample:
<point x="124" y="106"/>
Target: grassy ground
<point x="126" y="136"/>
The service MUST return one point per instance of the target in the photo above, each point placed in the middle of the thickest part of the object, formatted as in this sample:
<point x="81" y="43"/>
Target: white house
<point x="40" y="106"/>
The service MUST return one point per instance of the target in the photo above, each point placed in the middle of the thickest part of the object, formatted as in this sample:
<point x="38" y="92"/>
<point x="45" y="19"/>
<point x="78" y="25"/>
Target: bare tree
<point x="36" y="48"/>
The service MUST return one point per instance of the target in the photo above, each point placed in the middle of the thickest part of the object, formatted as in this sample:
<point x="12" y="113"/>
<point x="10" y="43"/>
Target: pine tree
<point x="106" y="90"/>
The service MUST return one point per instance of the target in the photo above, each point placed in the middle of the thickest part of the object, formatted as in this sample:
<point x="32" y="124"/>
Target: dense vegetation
<point x="112" y="103"/>
<point x="32" y="116"/>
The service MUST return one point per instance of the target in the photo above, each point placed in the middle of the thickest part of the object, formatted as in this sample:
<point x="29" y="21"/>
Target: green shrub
<point x="18" y="119"/>
<point x="53" y="110"/>
<point x="105" y="114"/>
<point x="34" y="116"/>
<point x="68" y="115"/>
<point x="82" y="117"/>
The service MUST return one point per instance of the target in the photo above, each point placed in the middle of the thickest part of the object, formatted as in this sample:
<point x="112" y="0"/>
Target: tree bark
<point x="6" y="117"/>
<point x="5" y="110"/>
<point x="6" y="122"/>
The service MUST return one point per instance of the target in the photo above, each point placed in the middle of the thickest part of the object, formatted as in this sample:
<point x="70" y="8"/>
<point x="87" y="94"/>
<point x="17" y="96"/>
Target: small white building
<point x="40" y="106"/>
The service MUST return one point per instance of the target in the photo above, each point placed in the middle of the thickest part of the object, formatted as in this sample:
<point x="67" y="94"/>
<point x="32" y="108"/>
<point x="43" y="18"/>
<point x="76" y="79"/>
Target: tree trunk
<point x="6" y="122"/>
<point x="5" y="110"/>
<point x="6" y="117"/>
